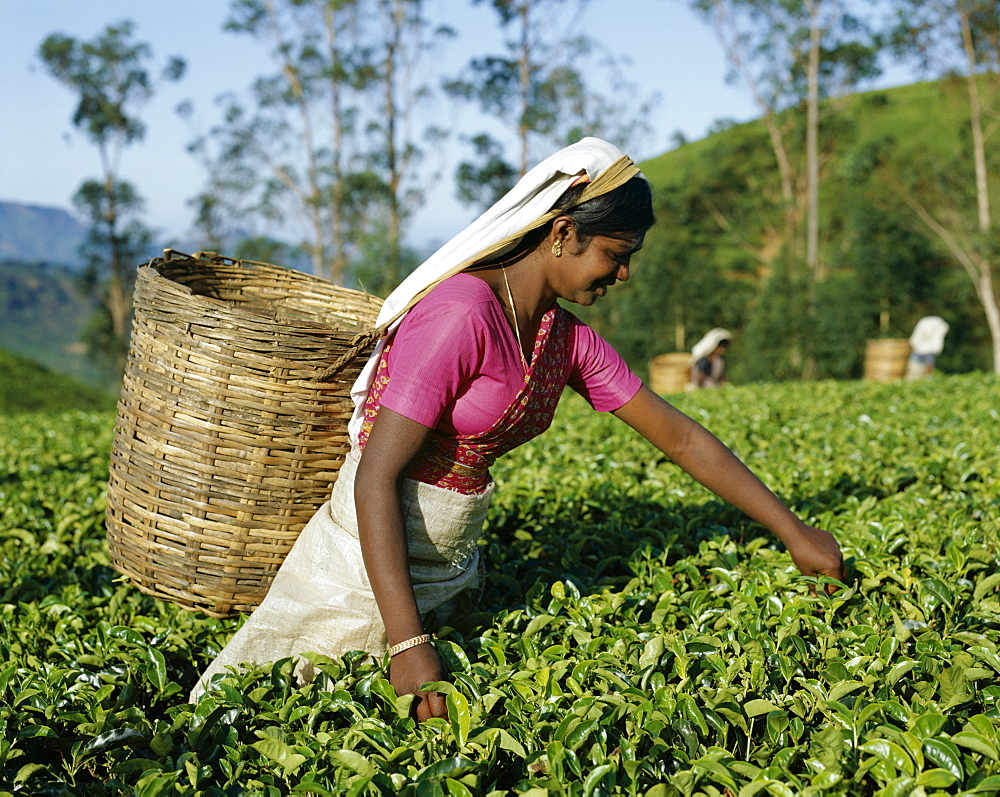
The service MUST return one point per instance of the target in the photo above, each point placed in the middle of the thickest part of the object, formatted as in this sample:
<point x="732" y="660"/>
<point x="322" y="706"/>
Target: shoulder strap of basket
<point x="356" y="346"/>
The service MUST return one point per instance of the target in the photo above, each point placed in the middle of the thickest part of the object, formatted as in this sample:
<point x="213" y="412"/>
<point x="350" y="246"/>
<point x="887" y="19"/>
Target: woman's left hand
<point x="815" y="552"/>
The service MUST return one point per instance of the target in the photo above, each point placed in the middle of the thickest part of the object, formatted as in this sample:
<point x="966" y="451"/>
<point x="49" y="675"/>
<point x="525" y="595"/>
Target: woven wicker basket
<point x="670" y="373"/>
<point x="885" y="359"/>
<point x="232" y="423"/>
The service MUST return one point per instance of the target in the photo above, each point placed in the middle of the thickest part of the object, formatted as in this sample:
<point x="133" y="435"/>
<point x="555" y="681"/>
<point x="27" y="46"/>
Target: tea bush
<point x="635" y="635"/>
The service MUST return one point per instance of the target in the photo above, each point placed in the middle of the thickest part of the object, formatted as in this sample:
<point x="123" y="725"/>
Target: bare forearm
<point x="712" y="464"/>
<point x="702" y="455"/>
<point x="392" y="444"/>
<point x="383" y="547"/>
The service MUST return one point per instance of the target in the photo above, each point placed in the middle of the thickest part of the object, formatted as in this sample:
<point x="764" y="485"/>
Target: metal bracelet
<point x="409" y="643"/>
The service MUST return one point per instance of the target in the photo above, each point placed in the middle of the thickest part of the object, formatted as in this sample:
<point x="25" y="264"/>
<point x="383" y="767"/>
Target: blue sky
<point x="43" y="160"/>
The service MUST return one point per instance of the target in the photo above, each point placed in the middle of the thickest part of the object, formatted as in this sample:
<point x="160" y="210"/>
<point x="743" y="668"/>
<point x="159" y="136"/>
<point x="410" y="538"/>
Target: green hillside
<point x="903" y="113"/>
<point x="722" y="253"/>
<point x="43" y="316"/>
<point x="26" y="386"/>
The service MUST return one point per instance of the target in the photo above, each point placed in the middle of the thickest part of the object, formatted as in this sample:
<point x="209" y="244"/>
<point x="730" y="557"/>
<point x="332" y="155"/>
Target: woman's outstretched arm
<point x="393" y="443"/>
<point x="700" y="453"/>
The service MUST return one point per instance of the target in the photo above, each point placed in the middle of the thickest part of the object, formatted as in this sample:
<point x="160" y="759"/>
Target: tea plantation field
<point x="635" y="635"/>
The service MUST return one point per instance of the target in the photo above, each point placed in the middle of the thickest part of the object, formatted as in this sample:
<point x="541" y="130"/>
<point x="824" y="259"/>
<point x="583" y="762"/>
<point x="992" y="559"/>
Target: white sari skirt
<point x="321" y="600"/>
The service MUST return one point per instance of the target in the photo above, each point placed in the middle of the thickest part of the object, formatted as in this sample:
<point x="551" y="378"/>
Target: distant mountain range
<point x="43" y="313"/>
<point x="40" y="234"/>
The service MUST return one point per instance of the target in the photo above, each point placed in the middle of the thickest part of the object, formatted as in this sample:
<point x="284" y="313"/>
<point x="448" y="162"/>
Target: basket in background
<point x="231" y="425"/>
<point x="670" y="373"/>
<point x="885" y="359"/>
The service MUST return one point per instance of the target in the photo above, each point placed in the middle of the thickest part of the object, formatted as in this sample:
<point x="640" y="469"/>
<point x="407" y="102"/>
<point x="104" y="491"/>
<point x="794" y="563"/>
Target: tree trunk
<point x="524" y="80"/>
<point x="391" y="110"/>
<point x="976" y="265"/>
<point x="814" y="273"/>
<point x="986" y="287"/>
<point x="721" y="23"/>
<point x="117" y="300"/>
<point x="812" y="144"/>
<point x="338" y="244"/>
<point x="976" y="117"/>
<point x="312" y="195"/>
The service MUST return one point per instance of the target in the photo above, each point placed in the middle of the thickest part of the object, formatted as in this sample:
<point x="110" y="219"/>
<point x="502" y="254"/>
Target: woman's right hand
<point x="413" y="668"/>
<point x="815" y="552"/>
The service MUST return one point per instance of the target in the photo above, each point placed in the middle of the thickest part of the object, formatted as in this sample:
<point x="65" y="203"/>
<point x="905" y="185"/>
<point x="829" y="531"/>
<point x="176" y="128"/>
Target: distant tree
<point x="263" y="249"/>
<point x="111" y="76"/>
<point x="114" y="230"/>
<point x="536" y="91"/>
<point x="792" y="54"/>
<point x="399" y="38"/>
<point x="324" y="147"/>
<point x="370" y="272"/>
<point x="955" y="195"/>
<point x="483" y="181"/>
<point x="289" y="157"/>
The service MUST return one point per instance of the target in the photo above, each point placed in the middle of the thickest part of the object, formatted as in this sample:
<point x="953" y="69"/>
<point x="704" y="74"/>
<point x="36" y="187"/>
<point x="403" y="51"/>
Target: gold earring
<point x="557" y="248"/>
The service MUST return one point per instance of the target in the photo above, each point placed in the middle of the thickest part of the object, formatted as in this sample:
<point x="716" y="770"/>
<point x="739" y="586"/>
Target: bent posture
<point x="478" y="352"/>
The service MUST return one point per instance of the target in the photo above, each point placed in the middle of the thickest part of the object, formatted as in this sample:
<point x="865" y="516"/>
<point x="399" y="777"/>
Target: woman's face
<point x="585" y="273"/>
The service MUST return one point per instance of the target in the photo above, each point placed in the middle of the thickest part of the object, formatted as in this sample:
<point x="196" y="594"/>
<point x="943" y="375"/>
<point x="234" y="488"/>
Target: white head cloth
<point x="928" y="335"/>
<point x="521" y="209"/>
<point x="707" y="344"/>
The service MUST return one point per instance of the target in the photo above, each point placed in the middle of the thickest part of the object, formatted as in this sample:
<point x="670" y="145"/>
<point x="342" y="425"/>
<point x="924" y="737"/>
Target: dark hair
<point x="625" y="213"/>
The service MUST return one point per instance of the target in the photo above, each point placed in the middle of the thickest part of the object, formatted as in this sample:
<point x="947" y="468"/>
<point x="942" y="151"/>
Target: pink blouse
<point x="454" y="364"/>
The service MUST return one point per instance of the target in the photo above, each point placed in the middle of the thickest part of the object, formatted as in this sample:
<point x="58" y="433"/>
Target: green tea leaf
<point x="936" y="779"/>
<point x="946" y="755"/>
<point x="459" y="717"/>
<point x="537" y="624"/>
<point x="24" y="773"/>
<point x="456" y="788"/>
<point x="988" y="586"/>
<point x="453" y="767"/>
<point x="899" y="670"/>
<point x="156" y="669"/>
<point x="986" y="656"/>
<point x="593" y="785"/>
<point x="977" y="743"/>
<point x="280" y="753"/>
<point x="354" y="761"/>
<point x="844" y="688"/>
<point x="754" y="708"/>
<point x="891" y="753"/>
<point x="122" y="737"/>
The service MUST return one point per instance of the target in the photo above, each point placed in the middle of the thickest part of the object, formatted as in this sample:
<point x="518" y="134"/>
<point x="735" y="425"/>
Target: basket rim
<point x="152" y="271"/>
<point x="176" y="257"/>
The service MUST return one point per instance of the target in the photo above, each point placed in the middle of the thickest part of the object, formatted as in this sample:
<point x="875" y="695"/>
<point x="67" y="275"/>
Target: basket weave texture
<point x="670" y="373"/>
<point x="232" y="423"/>
<point x="885" y="359"/>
